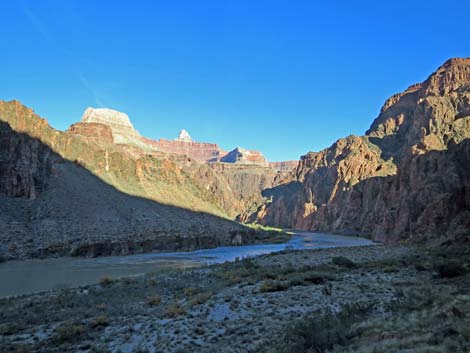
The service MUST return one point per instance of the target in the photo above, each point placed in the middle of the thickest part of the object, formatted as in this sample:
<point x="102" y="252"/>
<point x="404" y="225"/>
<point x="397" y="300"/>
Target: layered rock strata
<point x="406" y="178"/>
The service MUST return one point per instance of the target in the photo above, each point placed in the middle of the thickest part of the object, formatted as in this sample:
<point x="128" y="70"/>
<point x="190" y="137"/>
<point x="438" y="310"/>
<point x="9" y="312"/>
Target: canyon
<point x="101" y="187"/>
<point x="80" y="193"/>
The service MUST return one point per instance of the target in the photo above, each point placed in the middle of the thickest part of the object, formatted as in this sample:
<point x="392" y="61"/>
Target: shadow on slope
<point x="427" y="200"/>
<point x="52" y="207"/>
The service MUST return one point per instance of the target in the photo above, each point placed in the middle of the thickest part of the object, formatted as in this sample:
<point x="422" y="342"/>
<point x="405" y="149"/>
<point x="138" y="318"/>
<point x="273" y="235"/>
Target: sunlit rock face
<point x="184" y="136"/>
<point x="121" y="127"/>
<point x="407" y="178"/>
<point x="243" y="156"/>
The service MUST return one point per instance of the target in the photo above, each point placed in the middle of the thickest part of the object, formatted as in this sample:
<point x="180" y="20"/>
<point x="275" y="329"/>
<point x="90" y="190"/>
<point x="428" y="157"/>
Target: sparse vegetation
<point x="174" y="310"/>
<point x="273" y="286"/>
<point x="320" y="331"/>
<point x="99" y="321"/>
<point x="450" y="269"/>
<point x="107" y="281"/>
<point x="343" y="262"/>
<point x="69" y="332"/>
<point x="154" y="300"/>
<point x="409" y="309"/>
<point x="200" y="298"/>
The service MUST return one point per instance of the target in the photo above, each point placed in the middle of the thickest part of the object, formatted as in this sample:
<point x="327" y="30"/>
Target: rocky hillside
<point x="408" y="177"/>
<point x="78" y="193"/>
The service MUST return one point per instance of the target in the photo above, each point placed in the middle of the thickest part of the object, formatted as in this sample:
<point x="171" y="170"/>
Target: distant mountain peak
<point x="184" y="136"/>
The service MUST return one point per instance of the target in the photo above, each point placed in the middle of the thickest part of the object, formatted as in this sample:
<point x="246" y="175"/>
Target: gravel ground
<point x="215" y="308"/>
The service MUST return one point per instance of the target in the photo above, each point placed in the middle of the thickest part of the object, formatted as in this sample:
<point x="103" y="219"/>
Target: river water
<point x="24" y="277"/>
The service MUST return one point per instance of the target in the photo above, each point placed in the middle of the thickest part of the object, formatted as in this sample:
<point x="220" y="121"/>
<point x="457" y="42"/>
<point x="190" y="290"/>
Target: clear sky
<point x="283" y="77"/>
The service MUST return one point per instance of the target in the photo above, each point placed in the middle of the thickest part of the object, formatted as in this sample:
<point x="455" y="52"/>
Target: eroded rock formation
<point x="200" y="151"/>
<point x="243" y="156"/>
<point x="406" y="178"/>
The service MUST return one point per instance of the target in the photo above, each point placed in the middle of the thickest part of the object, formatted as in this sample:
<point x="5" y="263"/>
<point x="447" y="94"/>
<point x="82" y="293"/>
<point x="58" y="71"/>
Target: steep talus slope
<point x="407" y="178"/>
<point x="51" y="205"/>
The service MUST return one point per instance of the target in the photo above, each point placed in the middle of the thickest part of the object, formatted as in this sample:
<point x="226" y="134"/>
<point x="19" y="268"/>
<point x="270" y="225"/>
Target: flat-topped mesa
<point x="184" y="136"/>
<point x="243" y="156"/>
<point x="121" y="127"/>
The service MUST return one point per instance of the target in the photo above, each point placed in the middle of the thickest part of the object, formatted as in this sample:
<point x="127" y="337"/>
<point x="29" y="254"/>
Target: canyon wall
<point x="75" y="193"/>
<point x="406" y="178"/>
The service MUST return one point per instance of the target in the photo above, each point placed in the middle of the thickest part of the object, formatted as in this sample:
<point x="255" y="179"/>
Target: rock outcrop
<point x="122" y="129"/>
<point x="407" y="178"/>
<point x="200" y="151"/>
<point x="93" y="131"/>
<point x="243" y="156"/>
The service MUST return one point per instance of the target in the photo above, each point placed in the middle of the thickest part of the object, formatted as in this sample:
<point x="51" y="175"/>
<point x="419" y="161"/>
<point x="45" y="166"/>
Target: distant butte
<point x="116" y="127"/>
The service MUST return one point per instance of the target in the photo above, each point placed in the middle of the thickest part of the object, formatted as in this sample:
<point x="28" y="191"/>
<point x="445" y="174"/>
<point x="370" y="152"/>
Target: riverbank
<point x="22" y="245"/>
<point x="392" y="295"/>
<point x="37" y="275"/>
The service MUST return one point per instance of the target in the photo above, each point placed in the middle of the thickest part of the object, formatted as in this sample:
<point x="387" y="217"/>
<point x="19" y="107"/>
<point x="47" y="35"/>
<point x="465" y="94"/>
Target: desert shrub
<point x="154" y="300"/>
<point x="190" y="291"/>
<point x="9" y="329"/>
<point x="174" y="310"/>
<point x="129" y="281"/>
<point x="320" y="331"/>
<point x="248" y="263"/>
<point x="106" y="281"/>
<point x="99" y="321"/>
<point x="308" y="278"/>
<point x="450" y="269"/>
<point x="342" y="261"/>
<point x="200" y="298"/>
<point x="273" y="286"/>
<point x="69" y="332"/>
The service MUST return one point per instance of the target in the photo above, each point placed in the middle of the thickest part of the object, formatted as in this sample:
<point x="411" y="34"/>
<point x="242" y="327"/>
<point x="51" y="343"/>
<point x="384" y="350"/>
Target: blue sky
<point x="282" y="77"/>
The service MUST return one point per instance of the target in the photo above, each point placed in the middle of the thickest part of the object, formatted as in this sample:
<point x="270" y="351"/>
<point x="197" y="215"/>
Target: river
<point x="24" y="277"/>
